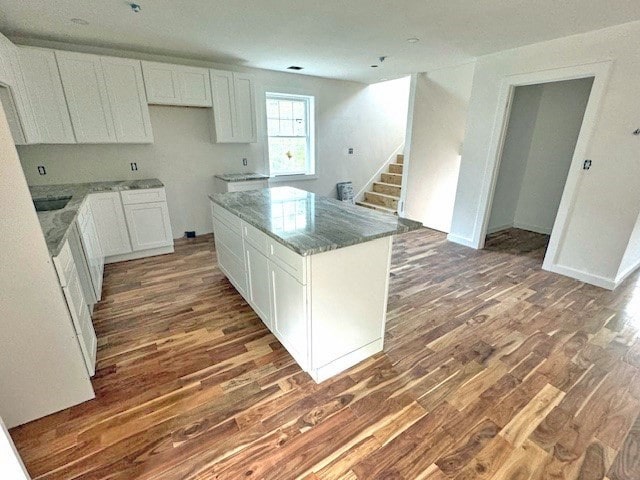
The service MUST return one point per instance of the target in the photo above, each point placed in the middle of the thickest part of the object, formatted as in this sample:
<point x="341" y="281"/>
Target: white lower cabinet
<point x="288" y="314"/>
<point x="258" y="277"/>
<point x="149" y="225"/>
<point x="110" y="222"/>
<point x="92" y="248"/>
<point x="77" y="304"/>
<point x="328" y="310"/>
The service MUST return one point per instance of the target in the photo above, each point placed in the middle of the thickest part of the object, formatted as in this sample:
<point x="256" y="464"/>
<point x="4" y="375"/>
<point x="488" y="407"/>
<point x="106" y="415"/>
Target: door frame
<point x="600" y="71"/>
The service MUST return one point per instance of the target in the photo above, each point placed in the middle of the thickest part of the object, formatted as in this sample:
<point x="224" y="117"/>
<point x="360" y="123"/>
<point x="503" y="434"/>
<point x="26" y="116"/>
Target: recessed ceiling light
<point x="294" y="67"/>
<point x="413" y="40"/>
<point x="79" y="21"/>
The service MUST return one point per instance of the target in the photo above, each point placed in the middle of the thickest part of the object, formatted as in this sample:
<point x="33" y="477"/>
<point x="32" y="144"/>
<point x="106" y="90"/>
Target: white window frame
<point x="310" y="173"/>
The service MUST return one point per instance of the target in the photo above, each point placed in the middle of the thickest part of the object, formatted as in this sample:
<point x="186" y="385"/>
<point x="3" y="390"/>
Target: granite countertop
<point x="308" y="223"/>
<point x="56" y="223"/>
<point x="241" y="177"/>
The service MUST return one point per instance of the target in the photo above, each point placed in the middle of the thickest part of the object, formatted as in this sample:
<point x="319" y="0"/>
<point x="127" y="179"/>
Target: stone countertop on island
<point x="241" y="177"/>
<point x="56" y="223"/>
<point x="308" y="223"/>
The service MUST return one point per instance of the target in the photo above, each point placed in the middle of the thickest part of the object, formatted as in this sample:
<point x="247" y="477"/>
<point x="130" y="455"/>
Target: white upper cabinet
<point x="106" y="98"/>
<point x="87" y="97"/>
<point x="234" y="107"/>
<point x="180" y="85"/>
<point x="43" y="84"/>
<point x="125" y="87"/>
<point x="25" y="130"/>
<point x="245" y="100"/>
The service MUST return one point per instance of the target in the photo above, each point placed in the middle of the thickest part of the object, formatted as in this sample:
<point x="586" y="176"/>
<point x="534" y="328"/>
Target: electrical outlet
<point x="134" y="167"/>
<point x="244" y="162"/>
<point x="42" y="170"/>
<point x="350" y="151"/>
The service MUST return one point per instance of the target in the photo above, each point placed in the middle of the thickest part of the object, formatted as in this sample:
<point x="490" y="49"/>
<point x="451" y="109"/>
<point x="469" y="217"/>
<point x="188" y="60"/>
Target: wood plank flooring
<point x="492" y="369"/>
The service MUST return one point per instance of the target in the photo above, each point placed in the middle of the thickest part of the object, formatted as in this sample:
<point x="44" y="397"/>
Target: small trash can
<point x="345" y="192"/>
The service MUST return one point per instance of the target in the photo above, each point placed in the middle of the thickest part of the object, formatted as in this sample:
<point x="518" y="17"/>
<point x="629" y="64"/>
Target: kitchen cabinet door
<point x="110" y="222"/>
<point x="195" y="89"/>
<point x="289" y="313"/>
<point x="92" y="249"/>
<point x="224" y="110"/>
<point x="244" y="94"/>
<point x="43" y="83"/>
<point x="81" y="320"/>
<point x="258" y="283"/>
<point x="128" y="101"/>
<point x="87" y="97"/>
<point x="149" y="225"/>
<point x="11" y="76"/>
<point x="180" y="85"/>
<point x="161" y="83"/>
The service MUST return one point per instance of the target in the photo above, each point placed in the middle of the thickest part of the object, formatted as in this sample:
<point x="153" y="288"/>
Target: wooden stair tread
<point x="376" y="207"/>
<point x="386" y="195"/>
<point x="386" y="184"/>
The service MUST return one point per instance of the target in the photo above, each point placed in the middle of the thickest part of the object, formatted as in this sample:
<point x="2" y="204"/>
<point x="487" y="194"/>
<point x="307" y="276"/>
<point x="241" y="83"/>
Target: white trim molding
<point x="467" y="242"/>
<point x="597" y="280"/>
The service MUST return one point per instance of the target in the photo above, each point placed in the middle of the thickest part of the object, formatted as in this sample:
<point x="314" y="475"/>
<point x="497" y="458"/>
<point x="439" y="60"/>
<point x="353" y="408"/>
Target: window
<point x="290" y="133"/>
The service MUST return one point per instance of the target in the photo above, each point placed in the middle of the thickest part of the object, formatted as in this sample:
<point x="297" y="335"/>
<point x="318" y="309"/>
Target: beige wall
<point x="369" y="118"/>
<point x="41" y="365"/>
<point x="437" y="124"/>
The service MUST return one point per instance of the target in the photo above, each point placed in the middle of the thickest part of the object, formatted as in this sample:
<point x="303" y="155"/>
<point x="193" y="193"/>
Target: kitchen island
<point x="315" y="270"/>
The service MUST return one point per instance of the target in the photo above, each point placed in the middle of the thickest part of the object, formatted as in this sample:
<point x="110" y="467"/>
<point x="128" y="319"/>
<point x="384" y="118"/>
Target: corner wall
<point x="42" y="369"/>
<point x="607" y="199"/>
<point x="440" y="100"/>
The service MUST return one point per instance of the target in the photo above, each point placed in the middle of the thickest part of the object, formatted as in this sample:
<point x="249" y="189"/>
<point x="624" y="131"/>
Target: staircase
<point x="386" y="193"/>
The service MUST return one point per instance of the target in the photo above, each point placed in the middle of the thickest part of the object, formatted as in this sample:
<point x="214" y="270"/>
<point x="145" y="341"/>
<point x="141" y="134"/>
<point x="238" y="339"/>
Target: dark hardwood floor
<point x="492" y="368"/>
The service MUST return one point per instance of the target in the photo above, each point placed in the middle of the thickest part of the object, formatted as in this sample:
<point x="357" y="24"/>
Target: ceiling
<point x="329" y="38"/>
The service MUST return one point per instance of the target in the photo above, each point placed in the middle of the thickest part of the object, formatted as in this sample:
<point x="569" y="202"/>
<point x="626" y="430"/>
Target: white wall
<point x="438" y="122"/>
<point x="369" y="118"/>
<point x="41" y="365"/>
<point x="607" y="201"/>
<point x="517" y="145"/>
<point x="540" y="140"/>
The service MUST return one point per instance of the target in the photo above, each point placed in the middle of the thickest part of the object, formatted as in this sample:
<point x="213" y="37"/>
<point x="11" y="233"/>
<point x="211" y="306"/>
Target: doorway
<point x="544" y="123"/>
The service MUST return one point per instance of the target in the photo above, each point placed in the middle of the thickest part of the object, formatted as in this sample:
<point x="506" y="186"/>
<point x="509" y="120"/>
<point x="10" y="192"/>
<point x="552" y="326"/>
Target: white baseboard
<point x="521" y="226"/>
<point x="621" y="277"/>
<point x="321" y="374"/>
<point x="499" y="228"/>
<point x="586" y="277"/>
<point x="467" y="242"/>
<point x="532" y="228"/>
<point x="140" y="254"/>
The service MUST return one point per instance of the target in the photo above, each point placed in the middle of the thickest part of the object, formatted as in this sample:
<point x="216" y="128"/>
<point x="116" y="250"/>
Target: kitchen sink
<point x="50" y="203"/>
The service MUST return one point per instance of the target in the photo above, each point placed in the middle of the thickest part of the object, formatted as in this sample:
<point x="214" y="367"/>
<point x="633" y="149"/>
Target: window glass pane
<point x="273" y="126"/>
<point x="286" y="109"/>
<point x="299" y="129"/>
<point x="286" y="127"/>
<point x="272" y="108"/>
<point x="299" y="110"/>
<point x="288" y="155"/>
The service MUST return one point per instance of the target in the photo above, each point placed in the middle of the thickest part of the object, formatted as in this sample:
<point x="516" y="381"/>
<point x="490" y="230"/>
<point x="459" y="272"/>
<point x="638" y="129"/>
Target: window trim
<point x="311" y="172"/>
